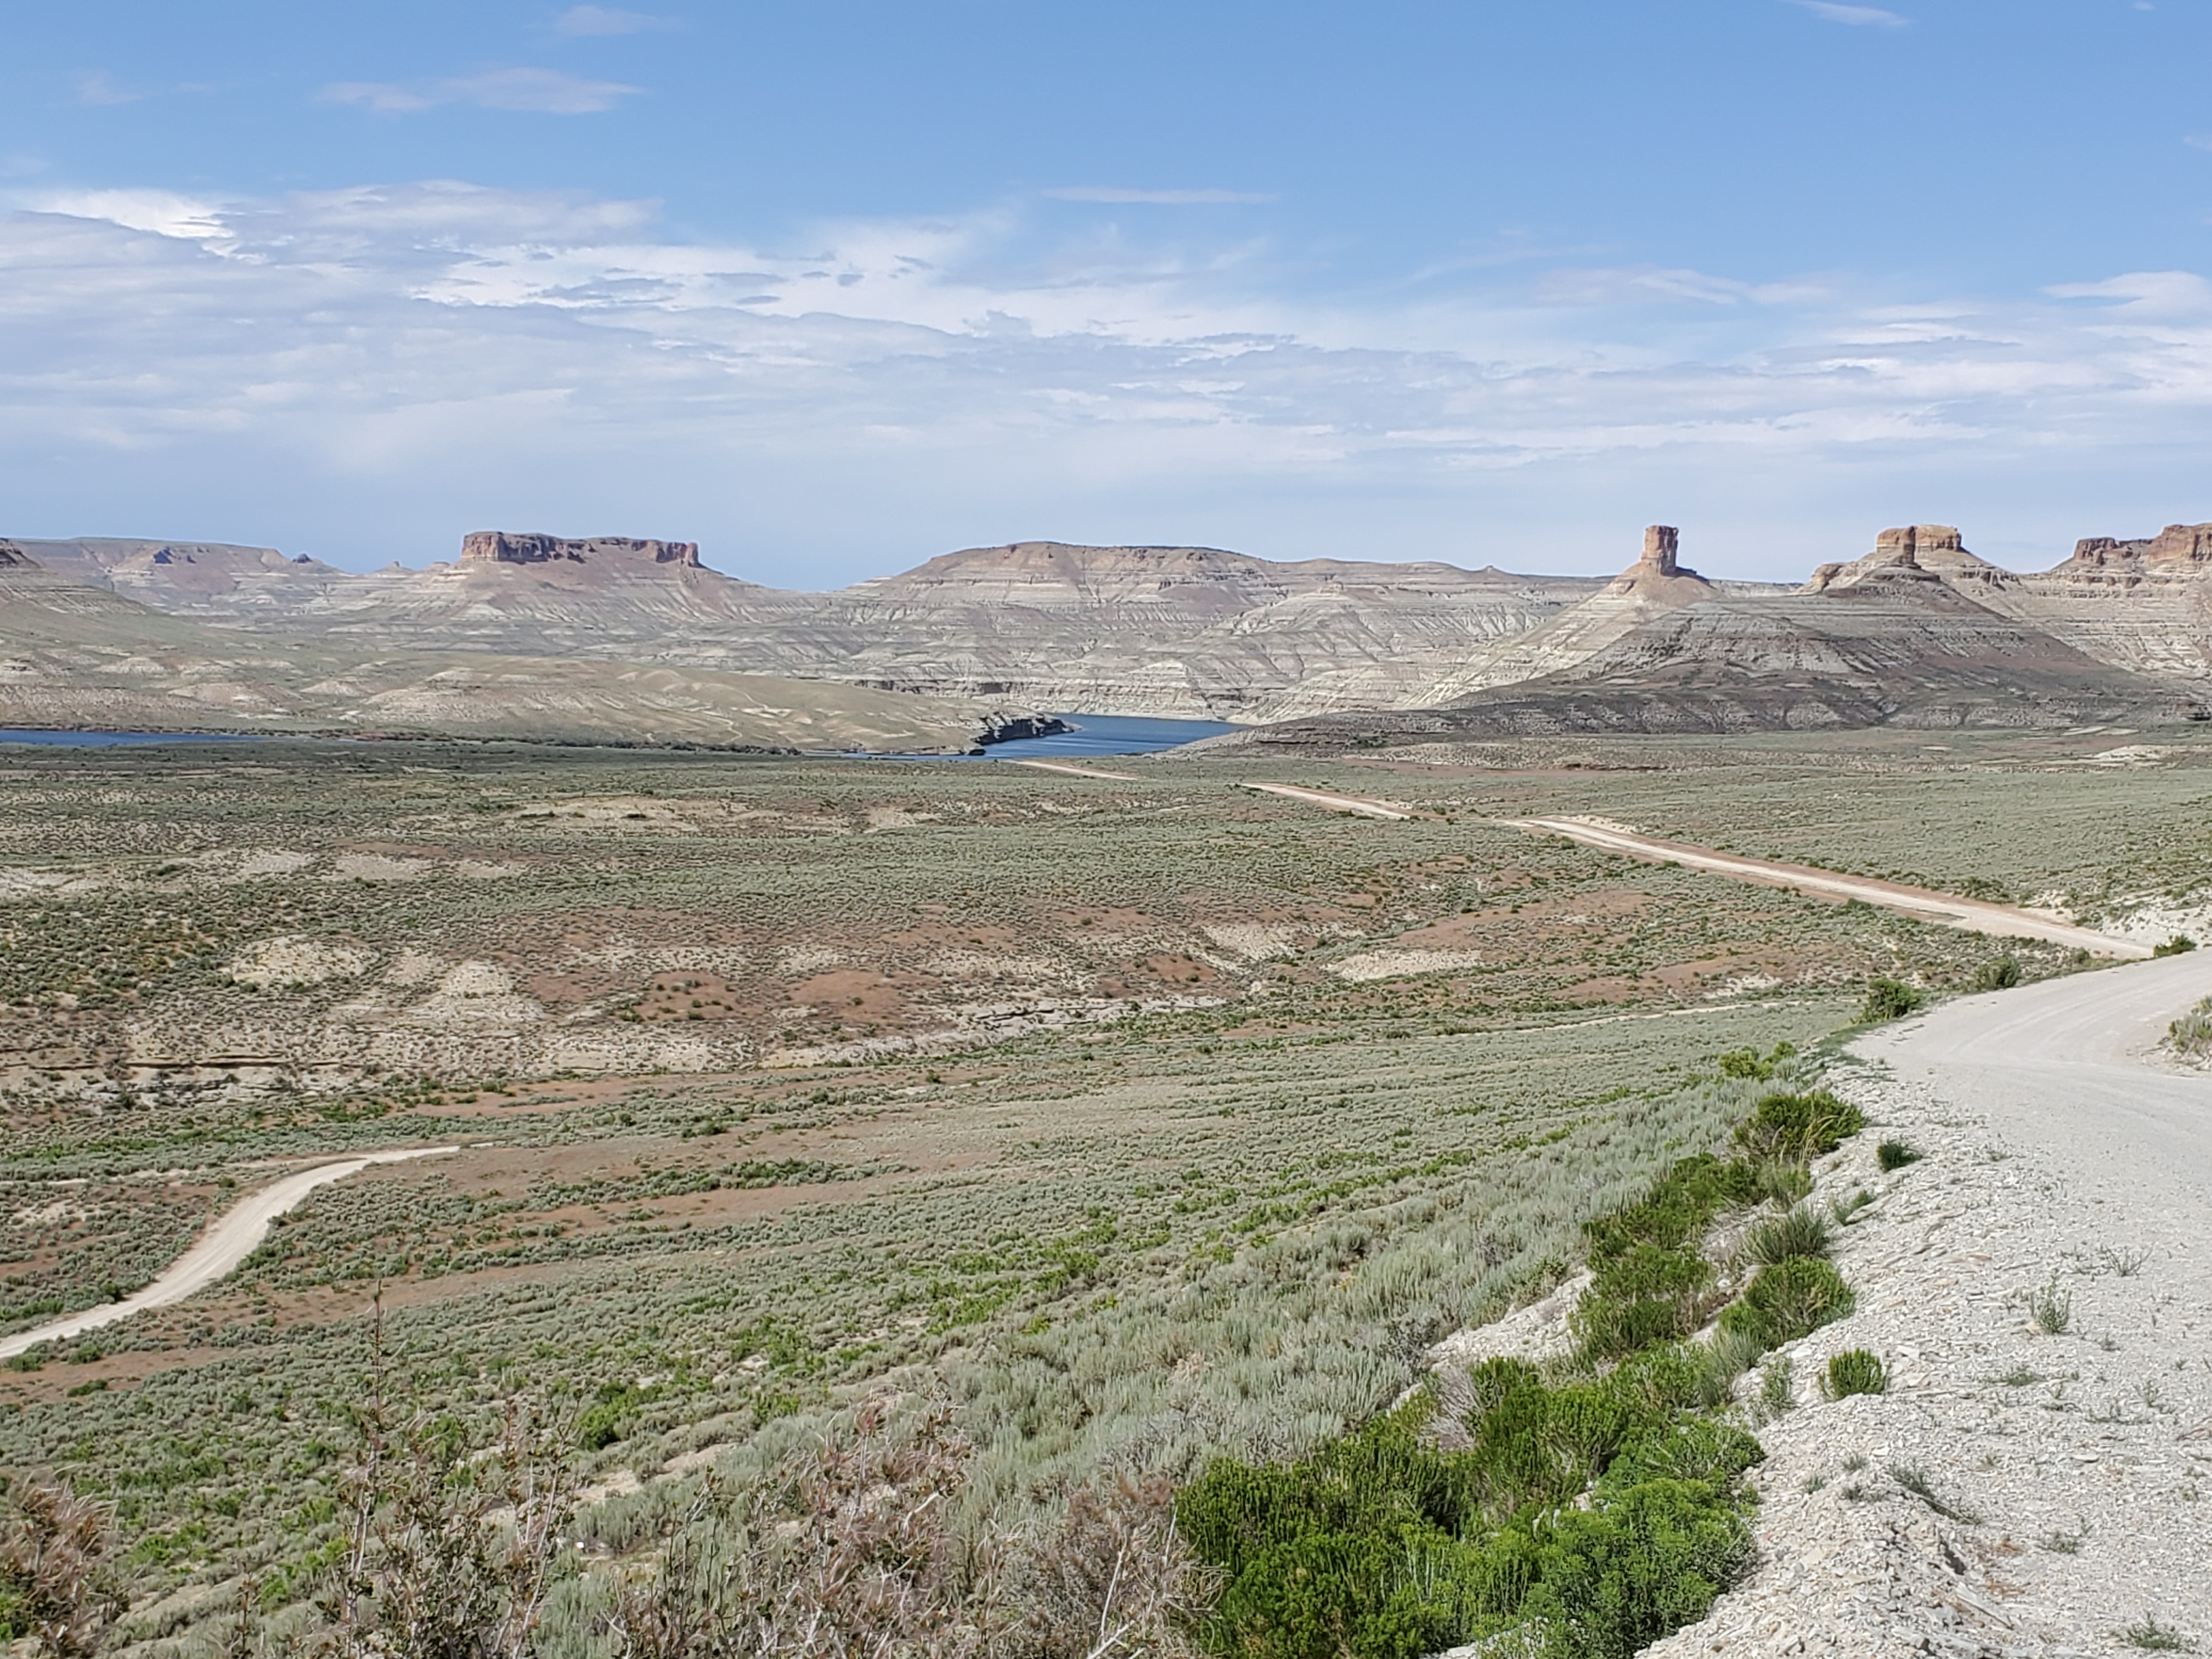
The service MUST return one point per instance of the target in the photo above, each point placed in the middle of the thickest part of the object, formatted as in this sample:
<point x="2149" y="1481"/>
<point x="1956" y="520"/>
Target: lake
<point x="1097" y="735"/>
<point x="115" y="740"/>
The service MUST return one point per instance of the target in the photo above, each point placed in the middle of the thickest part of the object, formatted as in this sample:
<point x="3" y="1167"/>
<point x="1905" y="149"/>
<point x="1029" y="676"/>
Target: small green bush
<point x="1726" y="1356"/>
<point x="2150" y="1634"/>
<point x="1999" y="975"/>
<point x="1798" y="1231"/>
<point x="1890" y="998"/>
<point x="1799" y="1126"/>
<point x="1747" y="1063"/>
<point x="1893" y="1155"/>
<point x="1777" y="1391"/>
<point x="1615" y="1580"/>
<point x="1781" y="1181"/>
<point x="1854" y="1372"/>
<point x="1788" y="1301"/>
<point x="2175" y="946"/>
<point x="2051" y="1309"/>
<point x="610" y="1418"/>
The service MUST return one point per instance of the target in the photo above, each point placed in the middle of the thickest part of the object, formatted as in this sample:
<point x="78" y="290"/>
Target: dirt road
<point x="232" y="1237"/>
<point x="1359" y="804"/>
<point x="1973" y="916"/>
<point x="2038" y="1284"/>
<point x="2069" y="1067"/>
<point x="1075" y="771"/>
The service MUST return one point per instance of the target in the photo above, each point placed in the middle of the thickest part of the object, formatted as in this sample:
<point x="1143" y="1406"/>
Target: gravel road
<point x="2038" y="1478"/>
<point x="1358" y="804"/>
<point x="1973" y="916"/>
<point x="233" y="1235"/>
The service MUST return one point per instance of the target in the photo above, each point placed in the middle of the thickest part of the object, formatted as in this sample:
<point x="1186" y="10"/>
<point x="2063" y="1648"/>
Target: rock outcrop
<point x="1658" y="582"/>
<point x="2179" y="547"/>
<point x="505" y="547"/>
<point x="1921" y="552"/>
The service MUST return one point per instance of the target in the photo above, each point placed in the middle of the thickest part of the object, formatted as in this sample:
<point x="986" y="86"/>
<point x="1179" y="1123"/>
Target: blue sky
<point x="830" y="288"/>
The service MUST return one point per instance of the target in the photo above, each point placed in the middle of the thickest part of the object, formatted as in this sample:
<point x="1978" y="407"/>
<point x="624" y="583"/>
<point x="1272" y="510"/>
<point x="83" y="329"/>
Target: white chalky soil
<point x="2076" y="1468"/>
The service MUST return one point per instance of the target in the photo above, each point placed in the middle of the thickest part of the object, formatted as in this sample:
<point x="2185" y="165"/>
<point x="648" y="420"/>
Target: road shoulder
<point x="2015" y="1490"/>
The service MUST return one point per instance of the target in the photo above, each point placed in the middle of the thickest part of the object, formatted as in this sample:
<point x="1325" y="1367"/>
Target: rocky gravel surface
<point x="2026" y="1485"/>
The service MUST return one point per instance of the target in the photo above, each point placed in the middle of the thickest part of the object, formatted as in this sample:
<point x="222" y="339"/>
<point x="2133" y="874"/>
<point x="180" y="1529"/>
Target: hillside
<point x="1172" y="631"/>
<point x="1918" y="631"/>
<point x="1884" y="641"/>
<point x="72" y="655"/>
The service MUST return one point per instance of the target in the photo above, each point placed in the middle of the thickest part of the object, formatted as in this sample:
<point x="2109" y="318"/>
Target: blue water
<point x="1095" y="735"/>
<point x="1108" y="734"/>
<point x="116" y="739"/>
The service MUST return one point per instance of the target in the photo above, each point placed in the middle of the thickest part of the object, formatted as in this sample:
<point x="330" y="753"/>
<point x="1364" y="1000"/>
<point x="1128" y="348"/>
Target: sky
<point x="831" y="288"/>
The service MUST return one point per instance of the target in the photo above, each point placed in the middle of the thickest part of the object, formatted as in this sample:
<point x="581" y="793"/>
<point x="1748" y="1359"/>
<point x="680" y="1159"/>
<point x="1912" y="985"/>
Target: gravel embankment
<point x="2016" y="1491"/>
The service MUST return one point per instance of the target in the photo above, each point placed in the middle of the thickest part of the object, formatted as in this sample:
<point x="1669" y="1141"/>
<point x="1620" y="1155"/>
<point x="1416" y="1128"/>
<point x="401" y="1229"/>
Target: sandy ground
<point x="232" y="1237"/>
<point x="1972" y="916"/>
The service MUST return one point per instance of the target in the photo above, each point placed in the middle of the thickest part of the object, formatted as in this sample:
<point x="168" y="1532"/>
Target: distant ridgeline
<point x="1919" y="631"/>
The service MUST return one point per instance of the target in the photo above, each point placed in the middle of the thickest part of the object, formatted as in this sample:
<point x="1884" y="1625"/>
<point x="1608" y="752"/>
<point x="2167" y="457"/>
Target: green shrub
<point x="1893" y="1155"/>
<point x="610" y="1418"/>
<point x="1854" y="1372"/>
<point x="2192" y="1033"/>
<point x="1782" y="1181"/>
<point x="1890" y="998"/>
<point x="1614" y="1579"/>
<point x="1379" y="1547"/>
<point x="1745" y="1062"/>
<point x="1999" y="975"/>
<point x="2050" y="1308"/>
<point x="1726" y="1356"/>
<point x="1788" y="1300"/>
<point x="1638" y="1300"/>
<point x="1798" y="1231"/>
<point x="2175" y="946"/>
<point x="1799" y="1126"/>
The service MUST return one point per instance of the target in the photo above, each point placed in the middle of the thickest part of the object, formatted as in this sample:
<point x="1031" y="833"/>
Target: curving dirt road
<point x="2069" y="1067"/>
<point x="232" y="1237"/>
<point x="1972" y="916"/>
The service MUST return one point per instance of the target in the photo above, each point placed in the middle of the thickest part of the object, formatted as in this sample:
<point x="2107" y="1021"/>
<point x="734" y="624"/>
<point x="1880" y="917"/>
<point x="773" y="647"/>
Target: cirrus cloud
<point x="1857" y="16"/>
<point x="545" y="91"/>
<point x="1161" y="197"/>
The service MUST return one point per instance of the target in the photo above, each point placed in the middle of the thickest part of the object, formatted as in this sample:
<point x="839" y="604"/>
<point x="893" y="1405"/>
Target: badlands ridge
<point x="617" y="637"/>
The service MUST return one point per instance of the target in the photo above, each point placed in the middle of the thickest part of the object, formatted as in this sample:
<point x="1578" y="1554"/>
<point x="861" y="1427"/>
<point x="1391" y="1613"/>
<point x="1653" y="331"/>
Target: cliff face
<point x="504" y="547"/>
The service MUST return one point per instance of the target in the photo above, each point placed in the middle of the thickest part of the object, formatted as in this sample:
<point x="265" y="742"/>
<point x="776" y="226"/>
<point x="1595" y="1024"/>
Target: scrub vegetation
<point x="1060" y="1141"/>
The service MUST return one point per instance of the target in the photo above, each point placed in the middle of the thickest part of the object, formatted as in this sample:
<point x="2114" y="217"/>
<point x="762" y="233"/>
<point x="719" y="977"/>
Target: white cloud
<point x="1859" y="16"/>
<point x="2199" y="140"/>
<point x="550" y="92"/>
<point x="162" y="212"/>
<point x="381" y="96"/>
<point x="579" y="22"/>
<point x="437" y="340"/>
<point x="1162" y="197"/>
<point x="98" y="88"/>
